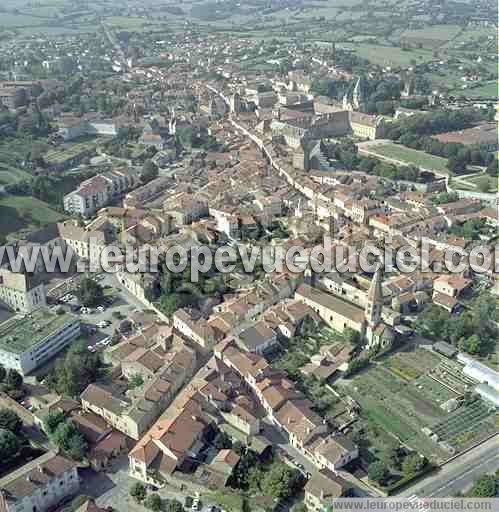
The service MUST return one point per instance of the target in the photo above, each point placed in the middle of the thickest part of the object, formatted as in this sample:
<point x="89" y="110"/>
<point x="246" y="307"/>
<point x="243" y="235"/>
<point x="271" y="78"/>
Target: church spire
<point x="375" y="298"/>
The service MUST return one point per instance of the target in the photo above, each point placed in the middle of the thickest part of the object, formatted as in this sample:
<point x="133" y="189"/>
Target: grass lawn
<point x="8" y="20"/>
<point x="489" y="90"/>
<point x="389" y="55"/>
<point x="441" y="33"/>
<point x="411" y="156"/>
<point x="24" y="214"/>
<point x="228" y="501"/>
<point x="9" y="174"/>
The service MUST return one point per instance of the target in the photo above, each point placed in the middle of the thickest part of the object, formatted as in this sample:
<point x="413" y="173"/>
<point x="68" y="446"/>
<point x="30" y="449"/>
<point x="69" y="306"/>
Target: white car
<point x="101" y="309"/>
<point x="91" y="348"/>
<point x="103" y="324"/>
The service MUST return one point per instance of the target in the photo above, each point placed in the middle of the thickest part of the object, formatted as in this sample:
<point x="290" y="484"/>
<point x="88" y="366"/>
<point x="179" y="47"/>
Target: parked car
<point x="103" y="324"/>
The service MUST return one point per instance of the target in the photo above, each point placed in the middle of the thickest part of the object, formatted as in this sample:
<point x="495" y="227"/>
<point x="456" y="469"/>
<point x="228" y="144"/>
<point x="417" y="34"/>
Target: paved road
<point x="459" y="474"/>
<point x="294" y="458"/>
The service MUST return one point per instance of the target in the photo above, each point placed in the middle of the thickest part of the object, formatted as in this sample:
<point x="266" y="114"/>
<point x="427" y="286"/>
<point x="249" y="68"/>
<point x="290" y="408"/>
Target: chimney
<point x="322" y="494"/>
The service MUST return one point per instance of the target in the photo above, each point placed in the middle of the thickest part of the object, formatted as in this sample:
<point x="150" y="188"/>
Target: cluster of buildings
<point x="268" y="178"/>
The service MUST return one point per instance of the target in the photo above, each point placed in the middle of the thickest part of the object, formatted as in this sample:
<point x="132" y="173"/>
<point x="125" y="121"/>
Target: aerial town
<point x="141" y="145"/>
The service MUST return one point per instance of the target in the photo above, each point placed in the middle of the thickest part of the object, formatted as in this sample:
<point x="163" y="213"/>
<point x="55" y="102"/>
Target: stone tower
<point x="235" y="103"/>
<point x="358" y="94"/>
<point x="375" y="299"/>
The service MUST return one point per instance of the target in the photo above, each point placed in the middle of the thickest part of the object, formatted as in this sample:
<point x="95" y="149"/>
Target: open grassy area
<point x="489" y="90"/>
<point x="389" y="55"/>
<point x="411" y="156"/>
<point x="437" y="34"/>
<point x="19" y="214"/>
<point x="9" y="174"/>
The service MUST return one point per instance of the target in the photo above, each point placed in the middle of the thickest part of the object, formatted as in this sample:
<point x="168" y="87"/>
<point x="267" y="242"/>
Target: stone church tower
<point x="375" y="299"/>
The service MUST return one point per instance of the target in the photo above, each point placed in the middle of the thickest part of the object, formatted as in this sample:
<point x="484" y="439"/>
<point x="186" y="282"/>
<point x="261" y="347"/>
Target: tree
<point x="135" y="381"/>
<point x="149" y="171"/>
<point x="493" y="167"/>
<point x="174" y="506"/>
<point x="52" y="421"/>
<point x="9" y="445"/>
<point x="413" y="464"/>
<point x="280" y="481"/>
<point x="89" y="292"/>
<point x="153" y="502"/>
<point x="456" y="165"/>
<point x="352" y="336"/>
<point x="222" y="441"/>
<point x="484" y="185"/>
<point x="10" y="421"/>
<point x="68" y="438"/>
<point x="75" y="371"/>
<point x="486" y="486"/>
<point x="471" y="344"/>
<point x="169" y="304"/>
<point x="138" y="492"/>
<point x="14" y="380"/>
<point x="3" y="373"/>
<point x="77" y="446"/>
<point x="377" y="472"/>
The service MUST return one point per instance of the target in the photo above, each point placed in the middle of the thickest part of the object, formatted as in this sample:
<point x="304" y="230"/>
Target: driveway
<point x="294" y="458"/>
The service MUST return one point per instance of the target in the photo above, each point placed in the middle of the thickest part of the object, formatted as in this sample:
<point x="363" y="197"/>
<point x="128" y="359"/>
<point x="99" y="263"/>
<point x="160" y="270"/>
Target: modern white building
<point x="39" y="485"/>
<point x="28" y="341"/>
<point x="98" y="191"/>
<point x="479" y="371"/>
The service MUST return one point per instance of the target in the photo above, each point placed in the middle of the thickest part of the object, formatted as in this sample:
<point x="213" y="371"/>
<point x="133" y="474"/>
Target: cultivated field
<point x="403" y="393"/>
<point x="411" y="157"/>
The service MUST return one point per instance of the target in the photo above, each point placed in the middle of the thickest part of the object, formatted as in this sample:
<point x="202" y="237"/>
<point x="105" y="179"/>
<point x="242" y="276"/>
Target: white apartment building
<point x="27" y="342"/>
<point x="95" y="193"/>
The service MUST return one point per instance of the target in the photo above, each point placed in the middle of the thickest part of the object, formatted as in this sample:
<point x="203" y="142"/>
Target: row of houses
<point x="98" y="191"/>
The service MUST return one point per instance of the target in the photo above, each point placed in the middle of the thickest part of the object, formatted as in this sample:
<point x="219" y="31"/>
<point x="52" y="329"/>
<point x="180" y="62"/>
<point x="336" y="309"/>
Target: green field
<point x="9" y="174"/>
<point x="489" y="90"/>
<point x="20" y="214"/>
<point x="389" y="55"/>
<point x="438" y="33"/>
<point x="411" y="157"/>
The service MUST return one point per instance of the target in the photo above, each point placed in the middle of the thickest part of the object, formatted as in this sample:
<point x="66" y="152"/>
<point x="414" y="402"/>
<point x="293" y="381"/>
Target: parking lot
<point x="113" y="489"/>
<point x="100" y="323"/>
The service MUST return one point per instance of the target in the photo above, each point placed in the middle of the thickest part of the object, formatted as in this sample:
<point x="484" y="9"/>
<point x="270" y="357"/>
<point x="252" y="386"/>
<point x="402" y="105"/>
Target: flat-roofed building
<point x="27" y="342"/>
